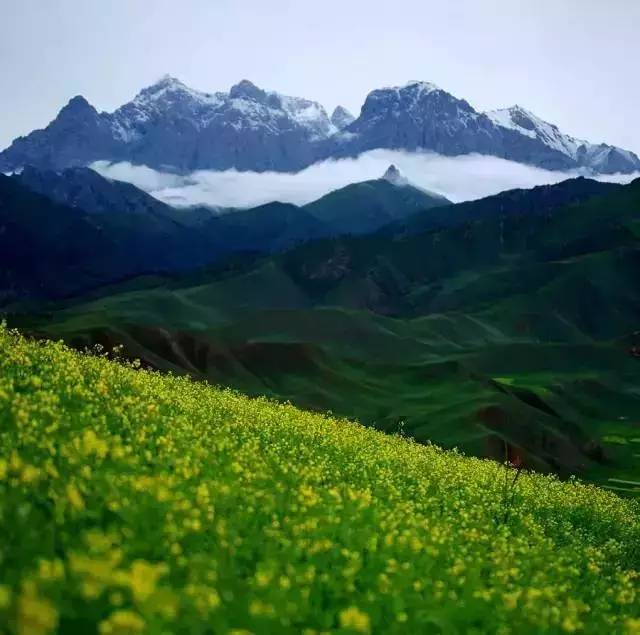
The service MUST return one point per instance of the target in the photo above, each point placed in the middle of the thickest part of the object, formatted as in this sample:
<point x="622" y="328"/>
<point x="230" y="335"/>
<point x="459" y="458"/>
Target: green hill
<point x="362" y="208"/>
<point x="63" y="234"/>
<point x="132" y="502"/>
<point x="515" y="327"/>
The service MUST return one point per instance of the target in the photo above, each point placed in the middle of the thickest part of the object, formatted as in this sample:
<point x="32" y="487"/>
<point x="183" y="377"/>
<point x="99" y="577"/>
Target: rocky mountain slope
<point x="422" y="116"/>
<point x="170" y="126"/>
<point x="341" y="117"/>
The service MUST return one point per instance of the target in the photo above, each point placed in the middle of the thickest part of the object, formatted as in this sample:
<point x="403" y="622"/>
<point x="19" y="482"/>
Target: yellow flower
<point x="15" y="462"/>
<point x="165" y="603"/>
<point x="205" y="598"/>
<point x="29" y="474"/>
<point x="75" y="497"/>
<point x="355" y="620"/>
<point x="93" y="445"/>
<point x="36" y="616"/>
<point x="259" y="608"/>
<point x="511" y="599"/>
<point x="268" y="487"/>
<point x="570" y="625"/>
<point x="5" y="596"/>
<point x="95" y="573"/>
<point x="122" y="623"/>
<point x="50" y="570"/>
<point x="143" y="578"/>
<point x="263" y="578"/>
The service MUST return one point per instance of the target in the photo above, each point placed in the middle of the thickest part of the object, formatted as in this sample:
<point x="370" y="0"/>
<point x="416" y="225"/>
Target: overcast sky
<point x="572" y="62"/>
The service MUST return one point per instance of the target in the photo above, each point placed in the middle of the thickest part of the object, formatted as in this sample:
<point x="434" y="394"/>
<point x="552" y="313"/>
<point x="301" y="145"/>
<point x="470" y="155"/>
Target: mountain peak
<point x="78" y="102"/>
<point x="341" y="117"/>
<point x="167" y="85"/>
<point x="518" y="112"/>
<point x="422" y="86"/>
<point x="250" y="128"/>
<point x="77" y="105"/>
<point x="167" y="79"/>
<point x="394" y="176"/>
<point x="166" y="82"/>
<point x="169" y="90"/>
<point x="413" y="89"/>
<point x="245" y="89"/>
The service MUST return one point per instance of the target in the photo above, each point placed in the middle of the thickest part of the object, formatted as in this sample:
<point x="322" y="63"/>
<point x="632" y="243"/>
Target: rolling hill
<point x="506" y="327"/>
<point x="64" y="233"/>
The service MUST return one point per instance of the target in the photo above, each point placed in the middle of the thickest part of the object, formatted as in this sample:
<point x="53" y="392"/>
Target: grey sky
<point x="572" y="62"/>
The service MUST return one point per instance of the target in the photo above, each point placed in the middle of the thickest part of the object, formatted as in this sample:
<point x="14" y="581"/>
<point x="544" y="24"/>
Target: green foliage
<point x="135" y="502"/>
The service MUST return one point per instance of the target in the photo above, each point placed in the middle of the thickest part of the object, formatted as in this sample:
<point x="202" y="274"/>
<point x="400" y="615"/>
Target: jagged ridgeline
<point x="169" y="126"/>
<point x="132" y="502"/>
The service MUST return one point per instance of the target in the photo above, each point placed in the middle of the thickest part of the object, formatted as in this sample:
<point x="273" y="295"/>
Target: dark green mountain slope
<point x="536" y="201"/>
<point x="49" y="250"/>
<point x="266" y="228"/>
<point x="86" y="190"/>
<point x="511" y="333"/>
<point x="98" y="231"/>
<point x="362" y="208"/>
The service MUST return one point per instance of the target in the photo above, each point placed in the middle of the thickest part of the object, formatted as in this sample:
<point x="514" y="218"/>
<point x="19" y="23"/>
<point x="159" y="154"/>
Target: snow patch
<point x="503" y="118"/>
<point x="526" y="123"/>
<point x="254" y="108"/>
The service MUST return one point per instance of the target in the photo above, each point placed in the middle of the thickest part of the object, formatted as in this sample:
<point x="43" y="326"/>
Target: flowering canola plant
<point x="134" y="502"/>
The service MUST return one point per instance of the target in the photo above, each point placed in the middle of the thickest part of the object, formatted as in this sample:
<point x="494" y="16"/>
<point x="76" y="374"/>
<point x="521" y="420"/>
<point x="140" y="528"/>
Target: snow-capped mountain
<point x="248" y="128"/>
<point x="422" y="116"/>
<point x="417" y="116"/>
<point x="599" y="157"/>
<point x="173" y="127"/>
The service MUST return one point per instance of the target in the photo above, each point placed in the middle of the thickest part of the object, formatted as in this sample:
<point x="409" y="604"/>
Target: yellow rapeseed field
<point x="134" y="502"/>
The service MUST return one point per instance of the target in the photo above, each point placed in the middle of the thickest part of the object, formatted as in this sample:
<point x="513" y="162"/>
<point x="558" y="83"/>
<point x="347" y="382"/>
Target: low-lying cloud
<point x="458" y="178"/>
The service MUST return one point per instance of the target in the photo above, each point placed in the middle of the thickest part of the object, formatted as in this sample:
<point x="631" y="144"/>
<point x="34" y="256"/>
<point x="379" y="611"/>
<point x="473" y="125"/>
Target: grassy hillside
<point x="516" y="327"/>
<point x="361" y="208"/>
<point x="132" y="502"/>
<point x="451" y="379"/>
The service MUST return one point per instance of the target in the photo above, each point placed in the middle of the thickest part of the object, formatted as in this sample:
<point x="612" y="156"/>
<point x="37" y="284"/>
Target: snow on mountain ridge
<point x="172" y="126"/>
<point x="309" y="114"/>
<point x="168" y="84"/>
<point x="341" y="117"/>
<point x="153" y="102"/>
<point x="261" y="107"/>
<point x="502" y="117"/>
<point x="596" y="156"/>
<point x="421" y="86"/>
<point x="526" y="123"/>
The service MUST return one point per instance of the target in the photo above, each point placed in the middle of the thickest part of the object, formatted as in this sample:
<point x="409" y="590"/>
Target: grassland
<point x="136" y="502"/>
<point x="511" y="320"/>
<point x="471" y="380"/>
